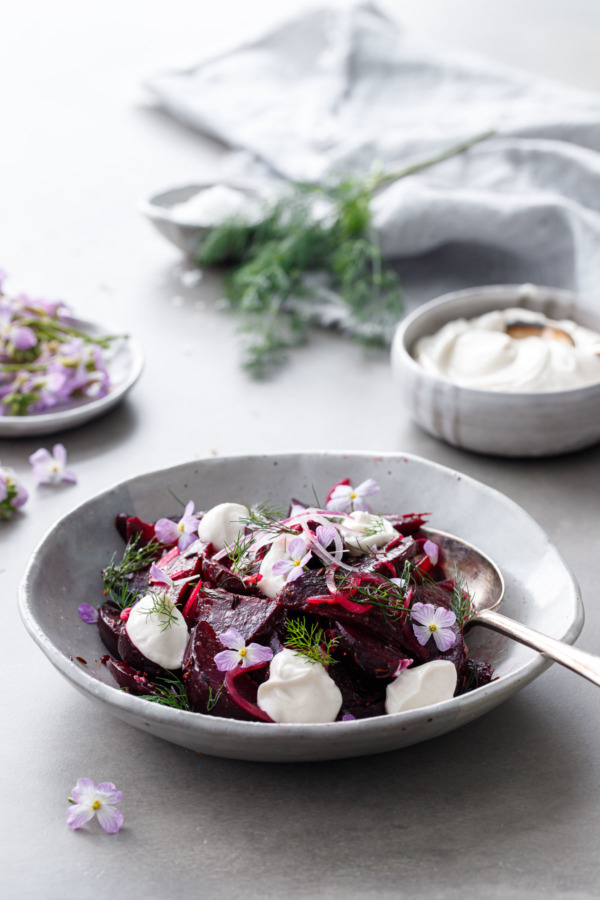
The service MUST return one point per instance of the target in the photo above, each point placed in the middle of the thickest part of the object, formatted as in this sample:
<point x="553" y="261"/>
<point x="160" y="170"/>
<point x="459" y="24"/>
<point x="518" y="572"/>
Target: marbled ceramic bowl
<point x="65" y="571"/>
<point x="497" y="422"/>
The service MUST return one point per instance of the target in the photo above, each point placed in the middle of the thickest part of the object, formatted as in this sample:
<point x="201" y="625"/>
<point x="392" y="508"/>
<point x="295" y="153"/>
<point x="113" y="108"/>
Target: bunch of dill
<point x="315" y="246"/>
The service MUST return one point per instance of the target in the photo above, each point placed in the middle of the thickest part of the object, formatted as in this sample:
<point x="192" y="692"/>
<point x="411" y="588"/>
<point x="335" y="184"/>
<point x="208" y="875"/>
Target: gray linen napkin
<point x="336" y="89"/>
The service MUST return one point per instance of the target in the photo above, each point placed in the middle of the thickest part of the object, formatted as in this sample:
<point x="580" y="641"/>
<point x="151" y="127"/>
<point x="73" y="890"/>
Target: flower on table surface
<point x="182" y="533"/>
<point x="91" y="800"/>
<point x="87" y="613"/>
<point x="346" y="498"/>
<point x="238" y="653"/>
<point x="50" y="468"/>
<point x="433" y="621"/>
<point x="298" y="557"/>
<point x="12" y="494"/>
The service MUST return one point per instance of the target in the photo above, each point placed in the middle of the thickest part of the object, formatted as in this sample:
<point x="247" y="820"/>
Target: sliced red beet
<point x="110" y="626"/>
<point x="204" y="683"/>
<point x="130" y="679"/>
<point x="250" y="615"/>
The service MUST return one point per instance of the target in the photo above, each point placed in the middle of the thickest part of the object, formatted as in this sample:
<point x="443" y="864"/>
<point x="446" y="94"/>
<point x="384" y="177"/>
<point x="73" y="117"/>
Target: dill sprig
<point x="162" y="608"/>
<point x="123" y="597"/>
<point x="213" y="698"/>
<point x="315" y="253"/>
<point x="266" y="518"/>
<point x="462" y="602"/>
<point x="136" y="557"/>
<point x="239" y="554"/>
<point x="310" y="642"/>
<point x="170" y="692"/>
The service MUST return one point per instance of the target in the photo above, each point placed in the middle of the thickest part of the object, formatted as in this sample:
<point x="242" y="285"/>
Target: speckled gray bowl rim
<point x="70" y="417"/>
<point x="295" y="742"/>
<point x="399" y="344"/>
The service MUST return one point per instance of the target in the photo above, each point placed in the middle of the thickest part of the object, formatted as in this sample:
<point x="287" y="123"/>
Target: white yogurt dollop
<point x="478" y="353"/>
<point x="221" y="525"/>
<point x="158" y="630"/>
<point x="270" y="584"/>
<point x="298" y="690"/>
<point x="430" y="683"/>
<point x="362" y="531"/>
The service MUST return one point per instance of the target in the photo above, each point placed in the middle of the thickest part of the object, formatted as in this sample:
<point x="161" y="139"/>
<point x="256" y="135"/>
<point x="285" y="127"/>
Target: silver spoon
<point x="486" y="588"/>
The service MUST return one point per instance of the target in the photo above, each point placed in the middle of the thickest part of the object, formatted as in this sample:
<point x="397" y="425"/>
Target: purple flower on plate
<point x="88" y="613"/>
<point x="12" y="493"/>
<point x="433" y="551"/>
<point x="435" y="622"/>
<point x="346" y="498"/>
<point x="91" y="800"/>
<point x="325" y="535"/>
<point x="181" y="533"/>
<point x="50" y="468"/>
<point x="293" y="567"/>
<point x="239" y="654"/>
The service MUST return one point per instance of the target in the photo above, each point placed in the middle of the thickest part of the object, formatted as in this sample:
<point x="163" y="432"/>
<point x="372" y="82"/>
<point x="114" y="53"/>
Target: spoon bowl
<point x="485" y="584"/>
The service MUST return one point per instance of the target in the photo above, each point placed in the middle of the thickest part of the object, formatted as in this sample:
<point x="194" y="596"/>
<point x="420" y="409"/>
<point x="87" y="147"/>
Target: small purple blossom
<point x="432" y="551"/>
<point x="238" y="653"/>
<point x="50" y="468"/>
<point x="12" y="493"/>
<point x="159" y="577"/>
<point x="325" y="535"/>
<point x="88" y="613"/>
<point x="293" y="567"/>
<point x="436" y="622"/>
<point x="348" y="717"/>
<point x="91" y="800"/>
<point x="345" y="498"/>
<point x="182" y="533"/>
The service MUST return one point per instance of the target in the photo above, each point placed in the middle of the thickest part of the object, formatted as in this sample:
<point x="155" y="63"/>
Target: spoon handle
<point x="579" y="661"/>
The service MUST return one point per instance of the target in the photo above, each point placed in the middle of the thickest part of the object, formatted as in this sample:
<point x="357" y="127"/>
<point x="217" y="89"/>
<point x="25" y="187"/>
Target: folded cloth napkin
<point x="338" y="89"/>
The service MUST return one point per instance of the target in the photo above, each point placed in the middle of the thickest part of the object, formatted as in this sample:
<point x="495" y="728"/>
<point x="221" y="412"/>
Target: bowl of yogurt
<point x="510" y="370"/>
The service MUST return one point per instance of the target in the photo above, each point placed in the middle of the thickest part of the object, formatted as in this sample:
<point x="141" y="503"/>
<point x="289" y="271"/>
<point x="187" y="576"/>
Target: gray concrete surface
<point x="506" y="807"/>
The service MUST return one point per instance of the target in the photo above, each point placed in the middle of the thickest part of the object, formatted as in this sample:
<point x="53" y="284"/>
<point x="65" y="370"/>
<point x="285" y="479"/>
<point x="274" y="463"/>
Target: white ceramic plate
<point x="65" y="571"/>
<point x="124" y="361"/>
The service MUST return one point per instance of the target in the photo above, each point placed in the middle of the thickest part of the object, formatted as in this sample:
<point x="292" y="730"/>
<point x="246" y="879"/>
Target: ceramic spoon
<point x="486" y="586"/>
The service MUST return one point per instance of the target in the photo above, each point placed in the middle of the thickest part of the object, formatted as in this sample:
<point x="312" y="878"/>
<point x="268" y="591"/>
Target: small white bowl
<point x="161" y="210"/>
<point x="503" y="423"/>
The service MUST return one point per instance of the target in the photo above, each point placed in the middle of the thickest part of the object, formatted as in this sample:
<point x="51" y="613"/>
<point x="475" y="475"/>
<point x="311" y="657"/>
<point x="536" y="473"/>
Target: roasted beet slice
<point x="110" y="627"/>
<point x="129" y="653"/>
<point x="204" y="684"/>
<point x="250" y="615"/>
<point x="130" y="679"/>
<point x="218" y="575"/>
<point x="129" y="526"/>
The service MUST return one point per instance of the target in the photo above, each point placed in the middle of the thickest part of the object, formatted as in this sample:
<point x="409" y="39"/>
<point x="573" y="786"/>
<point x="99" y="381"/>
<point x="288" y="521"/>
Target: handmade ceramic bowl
<point x="65" y="571"/>
<point x="162" y="210"/>
<point x="497" y="422"/>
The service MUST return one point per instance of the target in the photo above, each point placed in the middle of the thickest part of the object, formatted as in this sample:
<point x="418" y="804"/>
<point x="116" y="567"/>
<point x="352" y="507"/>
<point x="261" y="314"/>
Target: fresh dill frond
<point x="314" y="247"/>
<point x="170" y="692"/>
<point x="239" y="554"/>
<point x="267" y="518"/>
<point x="123" y="597"/>
<point x="162" y="608"/>
<point x="310" y="642"/>
<point x="462" y="602"/>
<point x="136" y="557"/>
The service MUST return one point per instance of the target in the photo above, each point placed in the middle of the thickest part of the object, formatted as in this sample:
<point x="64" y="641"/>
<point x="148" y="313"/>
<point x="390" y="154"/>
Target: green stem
<point x="456" y="150"/>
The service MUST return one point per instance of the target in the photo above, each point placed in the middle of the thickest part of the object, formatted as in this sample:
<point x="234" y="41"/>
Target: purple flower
<point x="157" y="576"/>
<point x="49" y="468"/>
<point x="88" y="613"/>
<point x="12" y="494"/>
<point x="436" y="622"/>
<point x="239" y="654"/>
<point x="182" y="533"/>
<point x="432" y="550"/>
<point x="345" y="498"/>
<point x="293" y="567"/>
<point x="95" y="800"/>
<point x="325" y="535"/>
